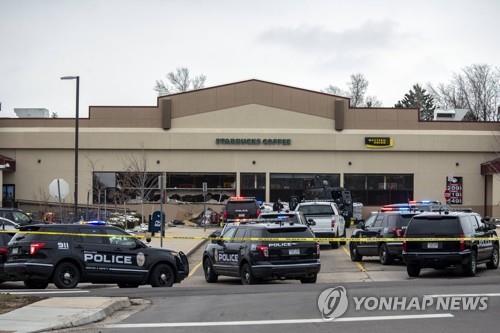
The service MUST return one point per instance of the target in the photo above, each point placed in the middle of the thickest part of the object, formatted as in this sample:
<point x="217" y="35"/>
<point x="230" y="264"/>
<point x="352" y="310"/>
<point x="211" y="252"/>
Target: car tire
<point x="36" y="284"/>
<point x="495" y="257"/>
<point x="128" y="285"/>
<point x="355" y="256"/>
<point x="311" y="279"/>
<point x="413" y="270"/>
<point x="162" y="276"/>
<point x="208" y="268"/>
<point x="246" y="275"/>
<point x="470" y="268"/>
<point x="385" y="257"/>
<point x="66" y="275"/>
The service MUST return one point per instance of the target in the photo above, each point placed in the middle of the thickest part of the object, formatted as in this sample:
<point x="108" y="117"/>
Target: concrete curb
<point x="60" y="313"/>
<point x="117" y="303"/>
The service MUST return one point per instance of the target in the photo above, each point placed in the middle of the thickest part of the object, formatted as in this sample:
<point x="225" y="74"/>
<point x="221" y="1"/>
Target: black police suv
<point x="4" y="250"/>
<point x="441" y="254"/>
<point x="241" y="208"/>
<point x="89" y="253"/>
<point x="255" y="260"/>
<point x="380" y="225"/>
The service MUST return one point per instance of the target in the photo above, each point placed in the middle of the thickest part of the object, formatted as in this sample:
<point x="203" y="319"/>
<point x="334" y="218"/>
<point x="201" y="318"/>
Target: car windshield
<point x="316" y="210"/>
<point x="21" y="218"/>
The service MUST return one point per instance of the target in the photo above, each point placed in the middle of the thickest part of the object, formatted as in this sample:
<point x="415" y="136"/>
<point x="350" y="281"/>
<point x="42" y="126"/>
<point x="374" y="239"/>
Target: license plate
<point x="241" y="215"/>
<point x="294" y="251"/>
<point x="15" y="250"/>
<point x="433" y="245"/>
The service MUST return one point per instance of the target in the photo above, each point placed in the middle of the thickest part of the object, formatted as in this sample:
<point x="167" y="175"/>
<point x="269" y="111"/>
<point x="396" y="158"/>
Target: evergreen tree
<point x="420" y="99"/>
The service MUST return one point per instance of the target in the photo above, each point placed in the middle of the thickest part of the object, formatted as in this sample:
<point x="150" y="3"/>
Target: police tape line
<point x="272" y="239"/>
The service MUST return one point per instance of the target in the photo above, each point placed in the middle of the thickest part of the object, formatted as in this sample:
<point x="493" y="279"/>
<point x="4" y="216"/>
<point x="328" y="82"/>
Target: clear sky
<point x="119" y="48"/>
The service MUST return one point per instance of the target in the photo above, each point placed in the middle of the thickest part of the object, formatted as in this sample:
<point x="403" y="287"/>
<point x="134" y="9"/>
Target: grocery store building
<point x="253" y="138"/>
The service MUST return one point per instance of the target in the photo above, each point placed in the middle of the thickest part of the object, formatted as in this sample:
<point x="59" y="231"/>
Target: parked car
<point x="290" y="217"/>
<point x="466" y="254"/>
<point x="380" y="225"/>
<point x="6" y="224"/>
<point x="16" y="215"/>
<point x="324" y="219"/>
<point x="4" y="250"/>
<point x="238" y="208"/>
<point x="256" y="260"/>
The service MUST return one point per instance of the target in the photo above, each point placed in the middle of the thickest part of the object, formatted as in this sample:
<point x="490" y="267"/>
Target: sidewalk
<point x="60" y="312"/>
<point x="187" y="246"/>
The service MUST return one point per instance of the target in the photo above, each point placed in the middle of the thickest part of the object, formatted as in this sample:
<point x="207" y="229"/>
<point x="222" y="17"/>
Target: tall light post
<point x="77" y="116"/>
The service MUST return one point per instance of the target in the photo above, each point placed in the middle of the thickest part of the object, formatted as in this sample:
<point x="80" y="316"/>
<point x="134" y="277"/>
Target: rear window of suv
<point x="283" y="233"/>
<point x="233" y="206"/>
<point x="25" y="236"/>
<point x="434" y="226"/>
<point x="316" y="210"/>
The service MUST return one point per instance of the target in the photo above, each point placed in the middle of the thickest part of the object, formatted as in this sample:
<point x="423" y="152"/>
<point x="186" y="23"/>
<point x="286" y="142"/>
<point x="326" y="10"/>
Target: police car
<point x="67" y="254"/>
<point x="255" y="260"/>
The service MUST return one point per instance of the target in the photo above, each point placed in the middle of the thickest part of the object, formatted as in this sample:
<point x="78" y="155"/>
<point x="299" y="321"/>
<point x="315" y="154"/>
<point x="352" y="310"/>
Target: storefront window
<point x="253" y="185"/>
<point x="188" y="186"/>
<point x="379" y="189"/>
<point x="286" y="185"/>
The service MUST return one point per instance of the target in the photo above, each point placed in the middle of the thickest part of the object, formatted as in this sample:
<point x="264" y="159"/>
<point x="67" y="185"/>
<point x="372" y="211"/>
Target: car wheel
<point x="246" y="275"/>
<point x="384" y="256"/>
<point x="66" y="275"/>
<point x="470" y="268"/>
<point x="162" y="276"/>
<point x="413" y="270"/>
<point x="355" y="256"/>
<point x="208" y="268"/>
<point x="311" y="279"/>
<point x="493" y="263"/>
<point x="36" y="284"/>
<point x="128" y="285"/>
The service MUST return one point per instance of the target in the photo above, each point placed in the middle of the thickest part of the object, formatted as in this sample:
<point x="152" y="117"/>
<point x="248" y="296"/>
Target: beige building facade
<point x="253" y="138"/>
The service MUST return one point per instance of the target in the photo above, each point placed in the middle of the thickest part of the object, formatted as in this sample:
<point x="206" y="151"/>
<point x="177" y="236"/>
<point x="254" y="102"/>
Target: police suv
<point x="233" y="254"/>
<point x="67" y="254"/>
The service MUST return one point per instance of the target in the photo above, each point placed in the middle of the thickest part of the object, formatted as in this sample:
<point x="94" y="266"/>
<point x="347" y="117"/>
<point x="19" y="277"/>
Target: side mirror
<point x="361" y="225"/>
<point x="311" y="222"/>
<point x="214" y="236"/>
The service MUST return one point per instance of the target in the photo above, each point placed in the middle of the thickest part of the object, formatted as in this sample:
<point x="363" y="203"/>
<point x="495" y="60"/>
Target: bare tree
<point x="334" y="90"/>
<point x="357" y="89"/>
<point x="179" y="81"/>
<point x="137" y="180"/>
<point x="372" y="102"/>
<point x="476" y="88"/>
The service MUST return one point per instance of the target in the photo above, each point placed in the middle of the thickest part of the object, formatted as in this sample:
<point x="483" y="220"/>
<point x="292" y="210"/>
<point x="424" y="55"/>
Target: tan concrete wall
<point x="495" y="202"/>
<point x="253" y="116"/>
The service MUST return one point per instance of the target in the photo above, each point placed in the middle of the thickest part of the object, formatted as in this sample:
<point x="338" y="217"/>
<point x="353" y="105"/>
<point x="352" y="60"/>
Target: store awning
<point x="7" y="164"/>
<point x="490" y="168"/>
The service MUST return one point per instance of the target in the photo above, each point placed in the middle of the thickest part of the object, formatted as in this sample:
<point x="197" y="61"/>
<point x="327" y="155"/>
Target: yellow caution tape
<point x="274" y="239"/>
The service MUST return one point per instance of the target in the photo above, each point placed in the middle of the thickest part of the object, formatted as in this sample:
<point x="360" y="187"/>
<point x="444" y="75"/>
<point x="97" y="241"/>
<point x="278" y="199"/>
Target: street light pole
<point x="77" y="117"/>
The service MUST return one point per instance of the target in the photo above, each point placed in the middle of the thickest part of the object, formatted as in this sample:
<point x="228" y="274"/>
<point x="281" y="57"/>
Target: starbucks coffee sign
<point x="254" y="141"/>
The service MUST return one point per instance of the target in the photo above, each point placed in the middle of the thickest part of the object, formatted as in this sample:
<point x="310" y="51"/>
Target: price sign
<point x="454" y="185"/>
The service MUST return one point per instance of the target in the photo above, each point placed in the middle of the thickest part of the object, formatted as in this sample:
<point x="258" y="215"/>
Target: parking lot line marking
<point x="465" y="295"/>
<point x="195" y="268"/>
<point x="43" y="292"/>
<point x="280" y="321"/>
<point x="361" y="267"/>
